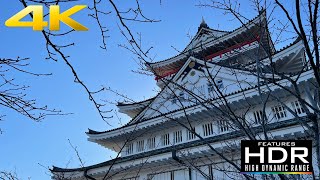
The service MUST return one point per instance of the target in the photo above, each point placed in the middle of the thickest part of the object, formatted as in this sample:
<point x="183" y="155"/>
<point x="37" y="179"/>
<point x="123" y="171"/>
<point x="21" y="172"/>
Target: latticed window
<point x="174" y="99"/>
<point x="258" y="116"/>
<point x="177" y="136"/>
<point x="140" y="146"/>
<point x="223" y="126"/>
<point x="191" y="135"/>
<point x="207" y="129"/>
<point x="297" y="107"/>
<point x="151" y="143"/>
<point x="201" y="89"/>
<point x="129" y="148"/>
<point x="181" y="96"/>
<point x="165" y="139"/>
<point x="210" y="87"/>
<point x="279" y="112"/>
<point x="161" y="176"/>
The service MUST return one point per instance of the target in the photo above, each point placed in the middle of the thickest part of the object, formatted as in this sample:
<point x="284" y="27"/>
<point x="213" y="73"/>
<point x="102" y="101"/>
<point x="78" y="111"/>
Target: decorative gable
<point x="202" y="36"/>
<point x="197" y="81"/>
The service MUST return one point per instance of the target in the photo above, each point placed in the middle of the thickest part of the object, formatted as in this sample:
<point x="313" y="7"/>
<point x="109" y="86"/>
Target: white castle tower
<point x="182" y="133"/>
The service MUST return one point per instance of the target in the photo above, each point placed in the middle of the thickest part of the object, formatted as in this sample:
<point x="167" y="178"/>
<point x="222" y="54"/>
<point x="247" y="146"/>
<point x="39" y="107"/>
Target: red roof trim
<point x="209" y="57"/>
<point x="167" y="74"/>
<point x="229" y="49"/>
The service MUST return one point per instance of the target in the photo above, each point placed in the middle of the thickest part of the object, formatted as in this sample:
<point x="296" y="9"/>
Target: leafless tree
<point x="267" y="73"/>
<point x="303" y="23"/>
<point x="14" y="95"/>
<point x="57" y="52"/>
<point x="4" y="175"/>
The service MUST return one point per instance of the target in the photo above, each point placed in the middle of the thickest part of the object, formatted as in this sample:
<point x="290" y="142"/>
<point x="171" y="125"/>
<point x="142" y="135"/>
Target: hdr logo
<point x="55" y="16"/>
<point x="276" y="157"/>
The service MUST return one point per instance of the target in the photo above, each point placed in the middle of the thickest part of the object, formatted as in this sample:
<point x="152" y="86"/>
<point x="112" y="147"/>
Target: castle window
<point x="201" y="90"/>
<point x="207" y="129"/>
<point x="181" y="96"/>
<point x="129" y="148"/>
<point x="191" y="135"/>
<point x="297" y="107"/>
<point x="177" y="137"/>
<point x="210" y="87"/>
<point x="219" y="83"/>
<point x="279" y="112"/>
<point x="161" y="176"/>
<point x="165" y="139"/>
<point x="151" y="143"/>
<point x="174" y="99"/>
<point x="258" y="116"/>
<point x="140" y="146"/>
<point x="223" y="126"/>
<point x="132" y="178"/>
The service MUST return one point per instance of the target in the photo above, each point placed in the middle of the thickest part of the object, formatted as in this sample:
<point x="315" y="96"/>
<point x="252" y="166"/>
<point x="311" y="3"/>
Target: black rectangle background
<point x="255" y="148"/>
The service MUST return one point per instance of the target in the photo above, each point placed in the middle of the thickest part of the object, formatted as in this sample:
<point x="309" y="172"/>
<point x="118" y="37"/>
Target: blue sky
<point x="26" y="144"/>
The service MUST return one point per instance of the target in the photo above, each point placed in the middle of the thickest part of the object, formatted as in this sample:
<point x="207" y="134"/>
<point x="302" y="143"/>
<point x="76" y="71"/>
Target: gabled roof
<point x="213" y="40"/>
<point x="169" y="82"/>
<point x="203" y="31"/>
<point x="174" y="79"/>
<point x="246" y="69"/>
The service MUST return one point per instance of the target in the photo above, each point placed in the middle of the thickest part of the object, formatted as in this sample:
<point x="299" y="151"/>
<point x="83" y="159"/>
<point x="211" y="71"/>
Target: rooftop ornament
<point x="203" y="24"/>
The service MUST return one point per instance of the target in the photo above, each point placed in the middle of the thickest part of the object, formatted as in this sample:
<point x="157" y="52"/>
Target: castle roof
<point x="133" y="108"/>
<point x="290" y="50"/>
<point x="208" y="41"/>
<point x="217" y="138"/>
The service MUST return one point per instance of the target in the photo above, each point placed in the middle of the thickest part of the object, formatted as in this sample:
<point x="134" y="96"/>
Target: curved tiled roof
<point x="280" y="50"/>
<point x="235" y="92"/>
<point x="227" y="33"/>
<point x="298" y="39"/>
<point x="134" y="103"/>
<point x="217" y="138"/>
<point x="164" y="114"/>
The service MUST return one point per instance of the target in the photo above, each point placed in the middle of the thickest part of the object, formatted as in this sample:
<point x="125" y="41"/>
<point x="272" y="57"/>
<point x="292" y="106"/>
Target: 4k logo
<point x="54" y="18"/>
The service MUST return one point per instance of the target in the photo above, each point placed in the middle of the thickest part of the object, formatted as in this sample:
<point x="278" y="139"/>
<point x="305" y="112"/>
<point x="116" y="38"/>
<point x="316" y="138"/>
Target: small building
<point x="189" y="130"/>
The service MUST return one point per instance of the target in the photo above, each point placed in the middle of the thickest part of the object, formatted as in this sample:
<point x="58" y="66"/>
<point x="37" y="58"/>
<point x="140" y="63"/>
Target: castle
<point x="211" y="98"/>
